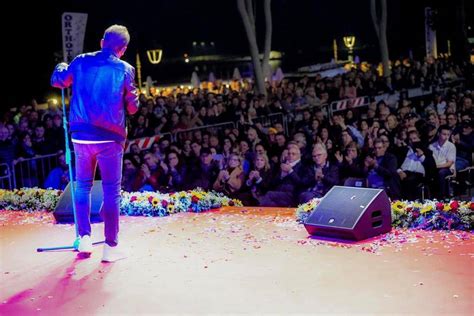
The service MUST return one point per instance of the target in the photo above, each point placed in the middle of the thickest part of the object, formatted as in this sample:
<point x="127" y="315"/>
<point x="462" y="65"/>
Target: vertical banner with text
<point x="430" y="33"/>
<point x="74" y="30"/>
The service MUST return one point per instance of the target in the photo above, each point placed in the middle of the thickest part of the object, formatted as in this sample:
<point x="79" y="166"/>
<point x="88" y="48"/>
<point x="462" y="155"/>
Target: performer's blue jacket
<point x="103" y="91"/>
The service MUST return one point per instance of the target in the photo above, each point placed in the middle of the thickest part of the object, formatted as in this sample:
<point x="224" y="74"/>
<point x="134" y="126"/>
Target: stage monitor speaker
<point x="351" y="213"/>
<point x="63" y="213"/>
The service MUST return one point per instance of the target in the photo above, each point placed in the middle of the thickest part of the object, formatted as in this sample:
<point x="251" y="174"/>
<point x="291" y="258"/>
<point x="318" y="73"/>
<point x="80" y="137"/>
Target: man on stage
<point x="103" y="90"/>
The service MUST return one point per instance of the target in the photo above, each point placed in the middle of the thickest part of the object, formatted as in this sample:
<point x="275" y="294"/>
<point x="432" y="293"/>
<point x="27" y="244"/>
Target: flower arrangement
<point x="163" y="204"/>
<point x="430" y="215"/>
<point x="29" y="199"/>
<point x="134" y="204"/>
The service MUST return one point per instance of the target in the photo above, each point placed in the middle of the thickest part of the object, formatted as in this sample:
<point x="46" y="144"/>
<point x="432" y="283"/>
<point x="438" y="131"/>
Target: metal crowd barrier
<point x="32" y="172"/>
<point x="267" y="121"/>
<point x="5" y="176"/>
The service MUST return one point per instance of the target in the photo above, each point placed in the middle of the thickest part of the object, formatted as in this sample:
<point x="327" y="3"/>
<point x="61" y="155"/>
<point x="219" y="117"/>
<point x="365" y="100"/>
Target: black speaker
<point x="63" y="213"/>
<point x="351" y="213"/>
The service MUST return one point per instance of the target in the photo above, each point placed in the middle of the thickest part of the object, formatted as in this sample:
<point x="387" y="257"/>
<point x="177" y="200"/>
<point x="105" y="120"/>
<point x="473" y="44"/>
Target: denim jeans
<point x="109" y="158"/>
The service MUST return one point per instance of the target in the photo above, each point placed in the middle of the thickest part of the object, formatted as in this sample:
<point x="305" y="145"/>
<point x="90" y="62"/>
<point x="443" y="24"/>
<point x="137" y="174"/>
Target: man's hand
<point x="286" y="167"/>
<point x="402" y="174"/>
<point x="339" y="156"/>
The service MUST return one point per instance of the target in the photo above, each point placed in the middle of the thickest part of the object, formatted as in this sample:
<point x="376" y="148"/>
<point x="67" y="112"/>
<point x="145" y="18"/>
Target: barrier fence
<point x="266" y="121"/>
<point x="5" y="176"/>
<point x="31" y="172"/>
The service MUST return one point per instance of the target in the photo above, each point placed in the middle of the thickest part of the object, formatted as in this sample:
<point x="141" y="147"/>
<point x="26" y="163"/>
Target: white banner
<point x="430" y="34"/>
<point x="74" y="30"/>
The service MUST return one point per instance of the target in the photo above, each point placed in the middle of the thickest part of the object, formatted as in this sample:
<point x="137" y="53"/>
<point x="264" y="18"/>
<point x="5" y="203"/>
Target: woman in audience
<point x="175" y="173"/>
<point x="258" y="181"/>
<point x="231" y="178"/>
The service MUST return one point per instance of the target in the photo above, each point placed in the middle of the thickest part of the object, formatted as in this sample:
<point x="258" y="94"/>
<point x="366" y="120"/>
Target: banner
<point x="74" y="30"/>
<point x="143" y="143"/>
<point x="346" y="104"/>
<point x="430" y="33"/>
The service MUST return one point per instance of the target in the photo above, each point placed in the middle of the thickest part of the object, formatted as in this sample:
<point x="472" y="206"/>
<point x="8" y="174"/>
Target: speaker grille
<point x="342" y="206"/>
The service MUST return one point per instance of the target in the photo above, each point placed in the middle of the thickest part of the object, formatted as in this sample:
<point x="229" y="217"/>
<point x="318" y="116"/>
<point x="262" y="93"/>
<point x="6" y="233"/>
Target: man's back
<point x="102" y="90"/>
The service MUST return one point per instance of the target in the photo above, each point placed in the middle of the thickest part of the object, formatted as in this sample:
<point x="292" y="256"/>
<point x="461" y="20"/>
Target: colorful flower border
<point x="132" y="204"/>
<point x="429" y="215"/>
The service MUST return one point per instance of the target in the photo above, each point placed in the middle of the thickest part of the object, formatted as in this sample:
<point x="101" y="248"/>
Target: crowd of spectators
<point x="399" y="146"/>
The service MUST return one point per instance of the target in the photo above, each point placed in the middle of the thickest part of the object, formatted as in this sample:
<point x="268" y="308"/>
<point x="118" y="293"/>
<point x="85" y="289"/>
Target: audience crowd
<point x="400" y="146"/>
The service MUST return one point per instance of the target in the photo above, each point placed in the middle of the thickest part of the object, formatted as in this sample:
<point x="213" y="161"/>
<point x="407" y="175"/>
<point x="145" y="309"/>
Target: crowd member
<point x="444" y="154"/>
<point x="323" y="175"/>
<point x="231" y="178"/>
<point x="288" y="181"/>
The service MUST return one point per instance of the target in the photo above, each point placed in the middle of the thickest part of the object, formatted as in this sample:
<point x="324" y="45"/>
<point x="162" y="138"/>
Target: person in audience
<point x="204" y="173"/>
<point x="230" y="179"/>
<point x="58" y="178"/>
<point x="412" y="172"/>
<point x="444" y="154"/>
<point x="380" y="168"/>
<point x="129" y="173"/>
<point x="175" y="173"/>
<point x="288" y="182"/>
<point x="41" y="144"/>
<point x="29" y="168"/>
<point x="7" y="147"/>
<point x="350" y="165"/>
<point x="151" y="176"/>
<point x="258" y="180"/>
<point x="464" y="142"/>
<point x="323" y="175"/>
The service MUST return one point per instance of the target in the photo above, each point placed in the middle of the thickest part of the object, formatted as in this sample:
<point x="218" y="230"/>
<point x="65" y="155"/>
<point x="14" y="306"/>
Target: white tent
<point x="278" y="75"/>
<point x="212" y="78"/>
<point x="148" y="85"/>
<point x="236" y="75"/>
<point x="195" y="80"/>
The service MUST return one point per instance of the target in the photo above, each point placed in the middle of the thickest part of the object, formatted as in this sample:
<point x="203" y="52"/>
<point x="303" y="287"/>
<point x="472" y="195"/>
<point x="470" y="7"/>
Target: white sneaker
<point x="112" y="254"/>
<point x="85" y="245"/>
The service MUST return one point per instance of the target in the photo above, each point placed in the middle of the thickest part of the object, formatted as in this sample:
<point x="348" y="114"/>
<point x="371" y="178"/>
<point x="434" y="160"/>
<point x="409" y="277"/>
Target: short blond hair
<point x="116" y="37"/>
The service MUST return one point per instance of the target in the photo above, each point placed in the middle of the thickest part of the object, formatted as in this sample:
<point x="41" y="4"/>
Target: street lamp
<point x="154" y="55"/>
<point x="349" y="42"/>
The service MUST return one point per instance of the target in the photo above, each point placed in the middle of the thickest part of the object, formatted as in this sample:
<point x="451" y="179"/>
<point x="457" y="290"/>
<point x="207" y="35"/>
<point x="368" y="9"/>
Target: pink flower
<point x="439" y="206"/>
<point x="133" y="198"/>
<point x="194" y="199"/>
<point x="454" y="205"/>
<point x="164" y="203"/>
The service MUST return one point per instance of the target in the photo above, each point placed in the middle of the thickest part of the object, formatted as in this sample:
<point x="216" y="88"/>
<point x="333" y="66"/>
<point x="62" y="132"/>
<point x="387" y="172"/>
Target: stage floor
<point x="235" y="260"/>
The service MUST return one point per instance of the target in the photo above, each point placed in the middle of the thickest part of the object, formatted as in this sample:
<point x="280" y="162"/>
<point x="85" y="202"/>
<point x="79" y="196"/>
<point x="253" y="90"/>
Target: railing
<point x="145" y="142"/>
<point x="179" y="136"/>
<point x="346" y="104"/>
<point x="5" y="176"/>
<point x="267" y="121"/>
<point x="32" y="172"/>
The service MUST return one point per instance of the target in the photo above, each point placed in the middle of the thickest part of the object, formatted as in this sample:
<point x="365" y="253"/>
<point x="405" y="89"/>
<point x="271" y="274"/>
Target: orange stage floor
<point x="235" y="260"/>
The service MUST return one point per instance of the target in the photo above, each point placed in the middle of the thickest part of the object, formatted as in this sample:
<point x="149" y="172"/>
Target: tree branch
<point x="268" y="38"/>
<point x="251" y="14"/>
<point x="375" y="20"/>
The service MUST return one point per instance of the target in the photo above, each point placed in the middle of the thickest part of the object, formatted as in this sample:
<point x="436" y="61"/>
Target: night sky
<point x="303" y="29"/>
